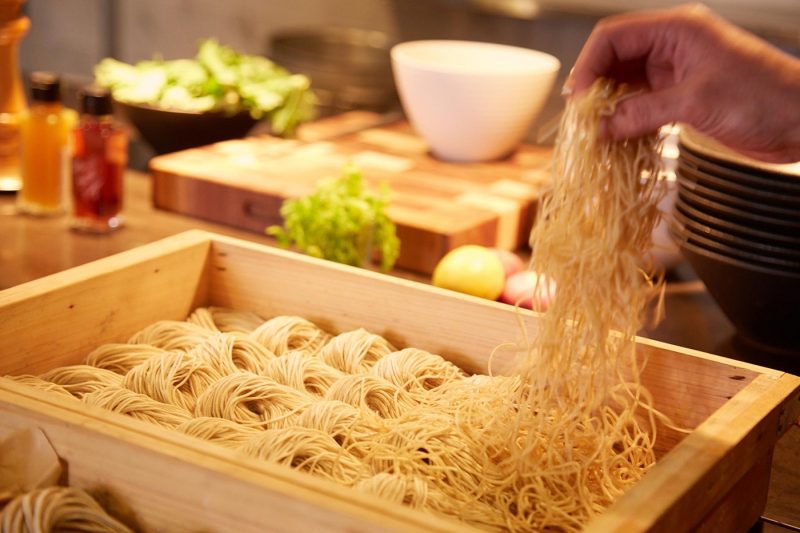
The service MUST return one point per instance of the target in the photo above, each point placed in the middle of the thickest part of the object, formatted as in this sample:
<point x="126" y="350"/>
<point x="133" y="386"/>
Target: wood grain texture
<point x="436" y="205"/>
<point x="687" y="485"/>
<point x="743" y="503"/>
<point x="56" y="320"/>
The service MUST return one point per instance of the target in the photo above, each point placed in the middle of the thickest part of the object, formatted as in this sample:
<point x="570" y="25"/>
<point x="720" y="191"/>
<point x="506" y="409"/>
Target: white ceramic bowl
<point x="472" y="101"/>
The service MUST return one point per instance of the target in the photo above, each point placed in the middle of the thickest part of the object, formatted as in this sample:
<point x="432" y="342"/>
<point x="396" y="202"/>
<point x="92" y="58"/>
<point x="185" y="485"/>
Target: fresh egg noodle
<point x="545" y="448"/>
<point x="579" y="443"/>
<point x="57" y="509"/>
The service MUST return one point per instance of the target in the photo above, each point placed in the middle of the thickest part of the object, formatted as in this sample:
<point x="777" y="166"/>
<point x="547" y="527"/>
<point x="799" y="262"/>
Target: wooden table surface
<point x="34" y="247"/>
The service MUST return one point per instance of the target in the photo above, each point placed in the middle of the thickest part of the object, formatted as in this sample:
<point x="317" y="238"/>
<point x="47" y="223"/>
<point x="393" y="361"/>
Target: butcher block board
<point x="714" y="479"/>
<point x="436" y="205"/>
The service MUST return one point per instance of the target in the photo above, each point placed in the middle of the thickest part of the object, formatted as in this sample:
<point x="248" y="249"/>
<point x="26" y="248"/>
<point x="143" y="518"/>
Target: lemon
<point x="471" y="269"/>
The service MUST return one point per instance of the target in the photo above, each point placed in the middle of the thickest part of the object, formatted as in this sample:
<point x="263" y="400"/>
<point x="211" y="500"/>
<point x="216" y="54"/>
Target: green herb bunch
<point x="219" y="78"/>
<point x="341" y="221"/>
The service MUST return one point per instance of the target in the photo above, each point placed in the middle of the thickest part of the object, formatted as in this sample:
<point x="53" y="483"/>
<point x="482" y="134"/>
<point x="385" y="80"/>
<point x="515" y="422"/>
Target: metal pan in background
<point x="349" y="68"/>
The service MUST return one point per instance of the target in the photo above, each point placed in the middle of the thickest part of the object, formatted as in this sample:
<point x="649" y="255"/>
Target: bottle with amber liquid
<point x="45" y="132"/>
<point x="100" y="155"/>
<point x="13" y="27"/>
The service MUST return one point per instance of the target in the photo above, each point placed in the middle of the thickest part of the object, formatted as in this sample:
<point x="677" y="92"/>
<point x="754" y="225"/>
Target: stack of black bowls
<point x="737" y="222"/>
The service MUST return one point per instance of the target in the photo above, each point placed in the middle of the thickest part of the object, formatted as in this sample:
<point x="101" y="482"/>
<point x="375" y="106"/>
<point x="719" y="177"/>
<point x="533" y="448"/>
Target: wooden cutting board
<point x="436" y="205"/>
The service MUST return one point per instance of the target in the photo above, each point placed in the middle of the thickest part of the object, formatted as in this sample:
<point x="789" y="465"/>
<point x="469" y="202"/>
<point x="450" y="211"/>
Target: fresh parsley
<point x="341" y="221"/>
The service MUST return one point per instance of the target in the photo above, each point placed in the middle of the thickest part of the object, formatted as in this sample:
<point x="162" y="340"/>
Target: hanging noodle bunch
<point x="578" y="443"/>
<point x="545" y="448"/>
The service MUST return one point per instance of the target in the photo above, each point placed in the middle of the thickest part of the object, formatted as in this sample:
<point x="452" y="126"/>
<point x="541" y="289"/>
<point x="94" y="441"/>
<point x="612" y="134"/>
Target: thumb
<point x="644" y="113"/>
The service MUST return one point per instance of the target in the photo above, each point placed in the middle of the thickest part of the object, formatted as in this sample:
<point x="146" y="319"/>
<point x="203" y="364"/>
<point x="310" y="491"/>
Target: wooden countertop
<point x="34" y="247"/>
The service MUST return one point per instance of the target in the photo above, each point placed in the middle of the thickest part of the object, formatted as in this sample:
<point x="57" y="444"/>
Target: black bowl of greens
<point x="167" y="130"/>
<point x="220" y="94"/>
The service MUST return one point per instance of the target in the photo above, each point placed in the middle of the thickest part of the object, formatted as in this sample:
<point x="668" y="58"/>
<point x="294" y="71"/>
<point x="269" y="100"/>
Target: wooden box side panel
<point x="338" y="298"/>
<point x="687" y="388"/>
<point x="744" y="503"/>
<point x="171" y="482"/>
<point x="58" y="320"/>
<point x="684" y="489"/>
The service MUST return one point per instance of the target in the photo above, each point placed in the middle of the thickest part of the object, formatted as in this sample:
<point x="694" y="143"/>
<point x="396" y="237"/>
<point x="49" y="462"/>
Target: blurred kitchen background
<point x="71" y="36"/>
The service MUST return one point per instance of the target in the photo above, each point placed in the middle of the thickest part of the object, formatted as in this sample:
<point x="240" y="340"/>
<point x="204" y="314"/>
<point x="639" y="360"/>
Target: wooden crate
<point x="714" y="479"/>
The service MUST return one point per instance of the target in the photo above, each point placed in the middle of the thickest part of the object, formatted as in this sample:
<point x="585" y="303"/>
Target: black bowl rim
<point x="745" y="178"/>
<point x="167" y="131"/>
<point x="732" y="240"/>
<point x="724" y="225"/>
<point x="221" y="112"/>
<point x="737" y="215"/>
<point x="733" y="200"/>
<point x="767" y="196"/>
<point x="685" y="233"/>
<point x="737" y="263"/>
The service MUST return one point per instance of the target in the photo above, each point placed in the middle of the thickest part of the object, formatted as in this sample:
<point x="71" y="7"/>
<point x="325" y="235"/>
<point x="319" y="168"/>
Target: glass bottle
<point x="13" y="28"/>
<point x="100" y="155"/>
<point x="45" y="131"/>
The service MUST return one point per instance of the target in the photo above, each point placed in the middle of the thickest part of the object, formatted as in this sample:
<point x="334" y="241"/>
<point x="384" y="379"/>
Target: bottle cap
<point x="45" y="87"/>
<point x="95" y="100"/>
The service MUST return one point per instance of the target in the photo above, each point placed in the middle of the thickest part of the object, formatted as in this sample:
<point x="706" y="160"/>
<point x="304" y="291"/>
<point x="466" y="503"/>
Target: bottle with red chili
<point x="100" y="155"/>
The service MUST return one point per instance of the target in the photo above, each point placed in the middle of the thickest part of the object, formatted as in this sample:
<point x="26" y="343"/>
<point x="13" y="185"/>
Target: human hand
<point x="698" y="69"/>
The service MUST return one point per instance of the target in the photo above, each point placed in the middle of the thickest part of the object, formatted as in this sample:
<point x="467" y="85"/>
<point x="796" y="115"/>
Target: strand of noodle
<point x="283" y="334"/>
<point x="38" y="383"/>
<point x="355" y="351"/>
<point x="57" y="509"/>
<point x="252" y="400"/>
<point x="416" y="370"/>
<point x="171" y="335"/>
<point x="217" y="352"/>
<point x="120" y="358"/>
<point x="372" y="393"/>
<point x="232" y="321"/>
<point x="426" y="444"/>
<point x="218" y="430"/>
<point x="82" y="379"/>
<point x="139" y="406"/>
<point x="309" y="450"/>
<point x="343" y="422"/>
<point x="230" y="353"/>
<point x="302" y="372"/>
<point x="175" y="378"/>
<point x="203" y="317"/>
<point x="250" y="355"/>
<point x="407" y="490"/>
